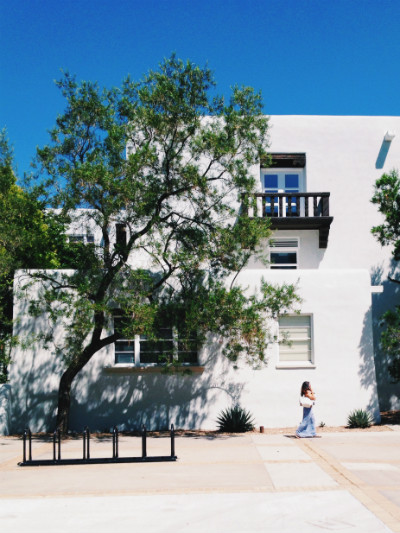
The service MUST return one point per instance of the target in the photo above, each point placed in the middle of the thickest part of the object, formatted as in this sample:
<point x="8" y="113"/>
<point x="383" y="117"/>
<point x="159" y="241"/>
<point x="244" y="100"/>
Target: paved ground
<point x="256" y="482"/>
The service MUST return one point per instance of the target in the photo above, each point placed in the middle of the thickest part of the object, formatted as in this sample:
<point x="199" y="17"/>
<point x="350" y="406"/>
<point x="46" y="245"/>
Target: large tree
<point x="30" y="237"/>
<point x="387" y="197"/>
<point x="167" y="161"/>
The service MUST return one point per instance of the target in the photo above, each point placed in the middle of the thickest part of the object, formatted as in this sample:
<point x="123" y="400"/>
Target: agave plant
<point x="359" y="419"/>
<point x="235" y="420"/>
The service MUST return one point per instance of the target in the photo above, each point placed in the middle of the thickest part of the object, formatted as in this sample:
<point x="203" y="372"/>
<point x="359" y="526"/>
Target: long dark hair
<point x="305" y="387"/>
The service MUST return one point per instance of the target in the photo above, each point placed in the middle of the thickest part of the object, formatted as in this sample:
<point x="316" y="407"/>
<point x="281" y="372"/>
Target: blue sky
<point x="318" y="57"/>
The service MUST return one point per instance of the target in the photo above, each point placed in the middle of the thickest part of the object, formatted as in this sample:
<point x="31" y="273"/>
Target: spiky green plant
<point x="235" y="420"/>
<point x="359" y="419"/>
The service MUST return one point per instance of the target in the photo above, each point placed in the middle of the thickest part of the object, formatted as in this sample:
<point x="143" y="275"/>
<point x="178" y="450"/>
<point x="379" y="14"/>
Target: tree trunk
<point x="64" y="390"/>
<point x="64" y="400"/>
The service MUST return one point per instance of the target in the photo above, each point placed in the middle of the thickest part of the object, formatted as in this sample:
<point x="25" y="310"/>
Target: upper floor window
<point x="283" y="253"/>
<point x="281" y="181"/>
<point x="285" y="181"/>
<point x="85" y="238"/>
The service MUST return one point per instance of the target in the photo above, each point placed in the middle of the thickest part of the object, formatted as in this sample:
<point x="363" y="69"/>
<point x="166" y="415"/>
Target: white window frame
<point x="285" y="249"/>
<point x="85" y="238"/>
<point x="297" y="363"/>
<point x="281" y="173"/>
<point x="136" y="344"/>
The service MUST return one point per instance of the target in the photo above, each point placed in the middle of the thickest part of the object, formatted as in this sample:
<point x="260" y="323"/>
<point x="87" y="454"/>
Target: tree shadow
<point x="131" y="400"/>
<point x="367" y="370"/>
<point x="102" y="400"/>
<point x="388" y="392"/>
<point x="34" y="377"/>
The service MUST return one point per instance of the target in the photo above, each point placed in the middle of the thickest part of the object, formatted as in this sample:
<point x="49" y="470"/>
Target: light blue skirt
<point x="307" y="426"/>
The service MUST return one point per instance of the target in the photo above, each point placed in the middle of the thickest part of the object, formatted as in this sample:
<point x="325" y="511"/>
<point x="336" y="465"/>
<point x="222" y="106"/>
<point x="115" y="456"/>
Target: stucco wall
<point x="345" y="156"/>
<point x="343" y="376"/>
<point x="5" y="408"/>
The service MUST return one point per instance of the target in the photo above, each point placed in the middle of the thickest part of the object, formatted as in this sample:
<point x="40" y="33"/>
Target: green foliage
<point x="387" y="197"/>
<point x="359" y="419"/>
<point x="30" y="237"/>
<point x="235" y="420"/>
<point x="390" y="341"/>
<point x="170" y="162"/>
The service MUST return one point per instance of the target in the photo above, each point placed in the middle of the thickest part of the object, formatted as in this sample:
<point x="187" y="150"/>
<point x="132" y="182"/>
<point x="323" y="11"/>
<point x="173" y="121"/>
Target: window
<point x="120" y="230"/>
<point x="83" y="238"/>
<point x="283" y="254"/>
<point x="167" y="347"/>
<point x="282" y="181"/>
<point x="297" y="331"/>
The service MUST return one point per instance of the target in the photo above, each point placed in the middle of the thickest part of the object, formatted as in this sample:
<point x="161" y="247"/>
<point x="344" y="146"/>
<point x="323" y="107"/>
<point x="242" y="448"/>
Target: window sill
<point x="294" y="365"/>
<point x="130" y="369"/>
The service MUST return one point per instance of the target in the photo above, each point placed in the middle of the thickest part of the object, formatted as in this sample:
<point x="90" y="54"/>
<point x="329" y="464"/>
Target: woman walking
<point x="307" y="400"/>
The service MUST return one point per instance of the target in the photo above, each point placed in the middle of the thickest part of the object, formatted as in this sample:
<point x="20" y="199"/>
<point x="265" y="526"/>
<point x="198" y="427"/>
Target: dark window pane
<point x="271" y="181"/>
<point x="291" y="181"/>
<point x="161" y="333"/>
<point x="187" y="357"/>
<point x="280" y="267"/>
<point x="156" y="346"/>
<point x="121" y="234"/>
<point x="119" y="324"/>
<point x="124" y="358"/>
<point x="124" y="346"/>
<point x="150" y="358"/>
<point x="278" y="258"/>
<point x="90" y="238"/>
<point x="75" y="238"/>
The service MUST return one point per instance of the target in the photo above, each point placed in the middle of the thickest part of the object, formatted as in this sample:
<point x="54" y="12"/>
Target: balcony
<point x="292" y="211"/>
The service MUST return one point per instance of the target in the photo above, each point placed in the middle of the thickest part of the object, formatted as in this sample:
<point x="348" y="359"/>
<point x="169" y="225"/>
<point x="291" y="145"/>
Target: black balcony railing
<point x="296" y="210"/>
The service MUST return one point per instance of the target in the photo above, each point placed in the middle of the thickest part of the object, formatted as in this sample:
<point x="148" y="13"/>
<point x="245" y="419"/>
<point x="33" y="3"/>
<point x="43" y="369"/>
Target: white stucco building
<point x="318" y="193"/>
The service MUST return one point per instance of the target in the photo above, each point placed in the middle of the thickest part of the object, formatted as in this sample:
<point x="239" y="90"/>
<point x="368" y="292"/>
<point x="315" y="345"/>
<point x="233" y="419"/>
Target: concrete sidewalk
<point x="252" y="482"/>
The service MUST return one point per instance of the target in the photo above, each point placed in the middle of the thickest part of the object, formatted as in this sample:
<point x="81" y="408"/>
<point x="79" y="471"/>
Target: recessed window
<point x="286" y="182"/>
<point x="168" y="346"/>
<point x="295" y="339"/>
<point x="84" y="238"/>
<point x="283" y="254"/>
<point x="283" y="260"/>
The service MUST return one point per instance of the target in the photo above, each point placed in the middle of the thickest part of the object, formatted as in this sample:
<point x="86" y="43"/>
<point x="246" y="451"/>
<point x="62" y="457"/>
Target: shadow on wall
<point x="102" y="400"/>
<point x="34" y="396"/>
<point x="5" y="408"/>
<point x="367" y="370"/>
<point x="383" y="152"/>
<point x="388" y="392"/>
<point x="34" y="377"/>
<point x="34" y="393"/>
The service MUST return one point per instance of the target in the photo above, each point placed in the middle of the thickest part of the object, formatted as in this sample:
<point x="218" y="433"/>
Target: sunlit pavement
<point x="254" y="482"/>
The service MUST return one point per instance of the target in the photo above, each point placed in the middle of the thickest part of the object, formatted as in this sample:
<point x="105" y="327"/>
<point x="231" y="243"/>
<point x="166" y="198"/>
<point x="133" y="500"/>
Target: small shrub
<point x="235" y="420"/>
<point x="359" y="419"/>
<point x="322" y="424"/>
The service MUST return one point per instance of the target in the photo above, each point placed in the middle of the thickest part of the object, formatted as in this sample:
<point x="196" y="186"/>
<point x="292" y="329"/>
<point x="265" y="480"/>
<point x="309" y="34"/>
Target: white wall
<point x="5" y="408"/>
<point x="343" y="374"/>
<point x="345" y="156"/>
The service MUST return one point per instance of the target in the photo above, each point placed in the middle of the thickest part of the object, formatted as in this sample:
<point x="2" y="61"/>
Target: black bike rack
<point x="86" y="459"/>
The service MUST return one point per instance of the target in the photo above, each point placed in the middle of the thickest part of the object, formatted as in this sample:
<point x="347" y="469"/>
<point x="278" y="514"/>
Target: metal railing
<point x="86" y="459"/>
